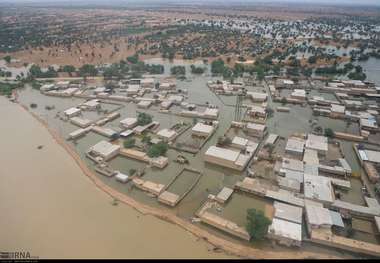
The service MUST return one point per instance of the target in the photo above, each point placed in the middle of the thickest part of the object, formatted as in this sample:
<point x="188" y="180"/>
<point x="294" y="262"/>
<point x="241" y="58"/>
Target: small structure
<point x="271" y="140"/>
<point x="144" y="104"/>
<point x="226" y="157"/>
<point x="123" y="178"/>
<point x="295" y="146"/>
<point x="92" y="104"/>
<point x="318" y="188"/>
<point x="257" y="96"/>
<point x="167" y="134"/>
<point x="83" y="123"/>
<point x="202" y="130"/>
<point x="128" y="123"/>
<point x="257" y="130"/>
<point x="288" y="212"/>
<point x="211" y="113"/>
<point x="72" y="112"/>
<point x="239" y="142"/>
<point x="105" y="150"/>
<point x="224" y="195"/>
<point x="285" y="232"/>
<point x="318" y="143"/>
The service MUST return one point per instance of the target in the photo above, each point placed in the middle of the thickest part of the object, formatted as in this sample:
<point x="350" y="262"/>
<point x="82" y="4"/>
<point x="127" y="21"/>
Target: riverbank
<point x="228" y="246"/>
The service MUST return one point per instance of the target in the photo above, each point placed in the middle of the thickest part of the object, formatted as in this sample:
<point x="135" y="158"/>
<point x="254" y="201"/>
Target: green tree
<point x="7" y="59"/>
<point x="133" y="59"/>
<point x="143" y="119"/>
<point x="88" y="70"/>
<point x="257" y="224"/>
<point x="329" y="133"/>
<point x="158" y="149"/>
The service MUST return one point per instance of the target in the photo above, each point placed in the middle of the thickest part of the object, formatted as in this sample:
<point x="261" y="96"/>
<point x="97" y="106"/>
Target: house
<point x="176" y="99"/>
<point x="295" y="146"/>
<point x="72" y="112"/>
<point x="107" y="132"/>
<point x="298" y="94"/>
<point x="166" y="104"/>
<point x="285" y="232"/>
<point x="257" y="96"/>
<point x="256" y="130"/>
<point x="83" y="123"/>
<point x="317" y="143"/>
<point x="224" y="195"/>
<point x="91" y="104"/>
<point x="257" y="111"/>
<point x="368" y="124"/>
<point x="239" y="142"/>
<point x="288" y="212"/>
<point x="211" y="113"/>
<point x="133" y="89"/>
<point x="289" y="184"/>
<point x="271" y="140"/>
<point x="144" y="104"/>
<point x="202" y="130"/>
<point x="167" y="134"/>
<point x="128" y="123"/>
<point x="318" y="188"/>
<point x="105" y="150"/>
<point x="337" y="110"/>
<point x="318" y="217"/>
<point x="227" y="158"/>
<point x="311" y="157"/>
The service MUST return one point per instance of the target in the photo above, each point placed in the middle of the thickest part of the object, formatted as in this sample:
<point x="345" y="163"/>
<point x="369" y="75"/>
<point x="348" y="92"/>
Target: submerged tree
<point x="257" y="224"/>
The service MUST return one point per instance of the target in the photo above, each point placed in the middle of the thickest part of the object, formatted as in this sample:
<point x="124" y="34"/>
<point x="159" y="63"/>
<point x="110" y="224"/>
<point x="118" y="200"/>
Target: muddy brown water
<point x="50" y="209"/>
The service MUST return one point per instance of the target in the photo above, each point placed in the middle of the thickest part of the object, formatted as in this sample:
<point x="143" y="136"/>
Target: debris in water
<point x="115" y="202"/>
<point x="40" y="147"/>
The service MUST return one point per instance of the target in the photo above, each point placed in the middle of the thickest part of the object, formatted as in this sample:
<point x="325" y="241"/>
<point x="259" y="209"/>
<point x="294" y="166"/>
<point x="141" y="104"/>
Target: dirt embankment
<point x="227" y="246"/>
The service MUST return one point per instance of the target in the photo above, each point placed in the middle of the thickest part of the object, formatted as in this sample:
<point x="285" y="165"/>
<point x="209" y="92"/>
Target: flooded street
<point x="50" y="209"/>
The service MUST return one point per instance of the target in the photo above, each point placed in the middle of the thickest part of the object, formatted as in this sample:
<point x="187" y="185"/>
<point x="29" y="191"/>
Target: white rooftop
<point x="318" y="215"/>
<point x="316" y="142"/>
<point x="240" y="141"/>
<point x="202" y="128"/>
<point x="105" y="148"/>
<point x="222" y="153"/>
<point x="288" y="212"/>
<point x="295" y="144"/>
<point x="292" y="164"/>
<point x="166" y="133"/>
<point x="286" y="229"/>
<point x="128" y="121"/>
<point x="318" y="188"/>
<point x="71" y="111"/>
<point x="255" y="126"/>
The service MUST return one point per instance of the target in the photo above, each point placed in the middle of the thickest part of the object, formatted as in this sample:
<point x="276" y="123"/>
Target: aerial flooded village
<point x="263" y="139"/>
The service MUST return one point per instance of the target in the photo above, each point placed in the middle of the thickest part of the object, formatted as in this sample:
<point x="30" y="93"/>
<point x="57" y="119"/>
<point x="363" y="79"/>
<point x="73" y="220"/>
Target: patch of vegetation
<point x="158" y="149"/>
<point x="197" y="70"/>
<point x="178" y="70"/>
<point x="143" y="119"/>
<point x="257" y="224"/>
<point x="329" y="133"/>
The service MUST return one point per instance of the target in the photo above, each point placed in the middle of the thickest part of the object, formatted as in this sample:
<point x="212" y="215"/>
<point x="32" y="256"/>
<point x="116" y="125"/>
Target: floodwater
<point x="214" y="177"/>
<point x="52" y="210"/>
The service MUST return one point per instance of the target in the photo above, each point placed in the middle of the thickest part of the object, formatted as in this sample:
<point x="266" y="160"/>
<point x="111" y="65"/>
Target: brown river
<point x="50" y="209"/>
